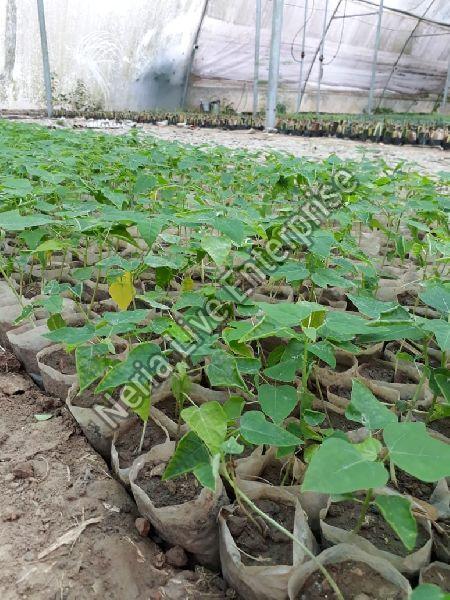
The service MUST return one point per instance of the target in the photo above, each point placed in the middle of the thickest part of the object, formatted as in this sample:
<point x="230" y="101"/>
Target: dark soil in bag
<point x="168" y="493"/>
<point x="354" y="579"/>
<point x="256" y="538"/>
<point x="375" y="529"/>
<point x="407" y="484"/>
<point x="61" y="361"/>
<point x="127" y="445"/>
<point x="438" y="576"/>
<point x="88" y="399"/>
<point x="385" y="373"/>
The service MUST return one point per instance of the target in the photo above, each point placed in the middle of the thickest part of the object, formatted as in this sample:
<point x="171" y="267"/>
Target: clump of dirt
<point x="168" y="493"/>
<point x="255" y="538"/>
<point x="127" y="445"/>
<point x="439" y="576"/>
<point x="8" y="362"/>
<point x="61" y="361"/>
<point x="345" y="515"/>
<point x="384" y="373"/>
<point x="407" y="484"/>
<point x="354" y="579"/>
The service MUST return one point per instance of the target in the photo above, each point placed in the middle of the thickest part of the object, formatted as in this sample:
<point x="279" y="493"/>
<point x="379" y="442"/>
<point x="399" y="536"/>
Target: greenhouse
<point x="225" y="300"/>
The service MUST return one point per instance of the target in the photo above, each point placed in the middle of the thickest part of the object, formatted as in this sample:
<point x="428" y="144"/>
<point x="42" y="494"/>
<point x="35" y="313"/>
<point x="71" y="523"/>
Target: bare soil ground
<point x="431" y="160"/>
<point x="67" y="529"/>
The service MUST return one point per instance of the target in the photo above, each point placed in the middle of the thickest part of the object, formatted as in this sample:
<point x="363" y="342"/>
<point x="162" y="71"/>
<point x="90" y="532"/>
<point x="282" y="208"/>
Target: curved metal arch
<point x="419" y="21"/>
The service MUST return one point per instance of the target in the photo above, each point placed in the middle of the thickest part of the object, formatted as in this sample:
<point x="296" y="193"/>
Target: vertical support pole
<point x="322" y="42"/>
<point x="446" y="87"/>
<point x="375" y="60"/>
<point x="274" y="65"/>
<point x="257" y="48"/>
<point x="300" y="90"/>
<point x="45" y="60"/>
<point x="192" y="56"/>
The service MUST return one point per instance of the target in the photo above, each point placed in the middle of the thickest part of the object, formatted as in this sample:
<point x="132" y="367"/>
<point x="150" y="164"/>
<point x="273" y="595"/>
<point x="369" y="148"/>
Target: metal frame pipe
<point x="274" y="65"/>
<point x="446" y="87"/>
<point x="302" y="59"/>
<point x="375" y="60"/>
<point x="322" y="43"/>
<point x="256" y="64"/>
<point x="45" y="58"/>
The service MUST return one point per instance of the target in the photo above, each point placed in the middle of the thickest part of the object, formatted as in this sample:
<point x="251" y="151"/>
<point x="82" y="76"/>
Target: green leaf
<point x="366" y="409"/>
<point x="233" y="228"/>
<point x="209" y="421"/>
<point x="231" y="446"/>
<point x="190" y="454"/>
<point x="329" y="277"/>
<point x="233" y="408"/>
<point x="287" y="314"/>
<point x="144" y="183"/>
<point x="440" y="383"/>
<point x="82" y="273"/>
<point x="397" y="512"/>
<point x="341" y="326"/>
<point x="217" y="247"/>
<point x="369" y="448"/>
<point x="338" y="468"/>
<point x="126" y="316"/>
<point x="55" y="322"/>
<point x="412" y="449"/>
<point x="441" y="330"/>
<point x="367" y="305"/>
<point x="325" y="351"/>
<point x="322" y="242"/>
<point x="437" y="296"/>
<point x="43" y="416"/>
<point x="255" y="429"/>
<point x="429" y="591"/>
<point x="223" y="371"/>
<point x="144" y="361"/>
<point x="283" y="371"/>
<point x="277" y="401"/>
<point x="72" y="336"/>
<point x="91" y="363"/>
<point x="207" y="475"/>
<point x="13" y="221"/>
<point x="290" y="271"/>
<point x="151" y="228"/>
<point x="49" y="246"/>
<point x="142" y="403"/>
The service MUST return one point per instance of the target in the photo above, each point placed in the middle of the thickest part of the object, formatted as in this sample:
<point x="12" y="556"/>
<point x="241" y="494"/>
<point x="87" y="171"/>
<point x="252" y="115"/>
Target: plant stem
<point x="141" y="443"/>
<point x="363" y="513"/>
<point x="287" y="533"/>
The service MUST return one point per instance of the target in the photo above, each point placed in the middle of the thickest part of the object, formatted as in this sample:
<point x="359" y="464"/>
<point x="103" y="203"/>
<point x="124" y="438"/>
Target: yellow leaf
<point x="187" y="284"/>
<point x="122" y="291"/>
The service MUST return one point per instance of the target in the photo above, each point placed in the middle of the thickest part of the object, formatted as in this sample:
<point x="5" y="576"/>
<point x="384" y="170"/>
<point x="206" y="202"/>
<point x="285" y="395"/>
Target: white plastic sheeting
<point x="223" y="66"/>
<point x="135" y="54"/>
<point x="111" y="53"/>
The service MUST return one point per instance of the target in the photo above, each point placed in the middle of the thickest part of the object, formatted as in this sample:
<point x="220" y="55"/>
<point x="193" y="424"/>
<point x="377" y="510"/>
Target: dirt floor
<point x="67" y="529"/>
<point x="431" y="160"/>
